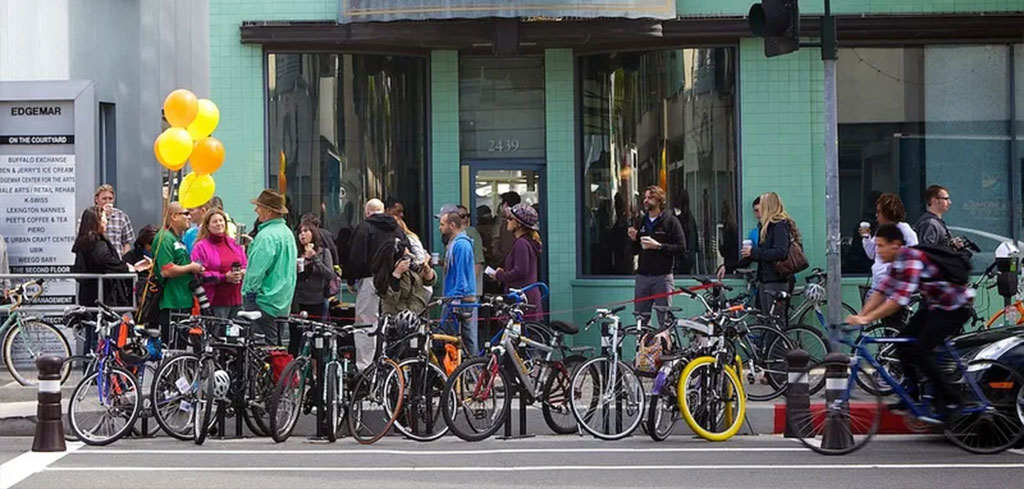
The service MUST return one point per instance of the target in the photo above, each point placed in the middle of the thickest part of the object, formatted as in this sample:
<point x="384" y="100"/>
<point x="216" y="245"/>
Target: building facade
<point x="578" y="110"/>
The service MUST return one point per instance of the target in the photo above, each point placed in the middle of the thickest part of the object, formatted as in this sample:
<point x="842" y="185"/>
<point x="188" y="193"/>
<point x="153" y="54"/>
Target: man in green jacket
<point x="270" y="276"/>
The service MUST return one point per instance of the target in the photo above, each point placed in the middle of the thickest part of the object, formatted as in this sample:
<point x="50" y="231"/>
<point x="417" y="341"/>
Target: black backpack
<point x="955" y="265"/>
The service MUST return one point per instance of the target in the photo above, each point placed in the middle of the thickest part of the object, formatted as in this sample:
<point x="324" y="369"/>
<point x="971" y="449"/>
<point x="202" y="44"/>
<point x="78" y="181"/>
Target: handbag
<point x="149" y="301"/>
<point x="795" y="261"/>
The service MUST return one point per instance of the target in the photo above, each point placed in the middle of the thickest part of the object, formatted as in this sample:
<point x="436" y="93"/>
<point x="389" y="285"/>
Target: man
<point x="171" y="259"/>
<point x="376" y="230"/>
<point x="217" y="203"/>
<point x="931" y="229"/>
<point x="197" y="214"/>
<point x="943" y="312"/>
<point x="119" y="225"/>
<point x="313" y="220"/>
<point x="270" y="277"/>
<point x="658" y="241"/>
<point x="459" y="272"/>
<point x="479" y="259"/>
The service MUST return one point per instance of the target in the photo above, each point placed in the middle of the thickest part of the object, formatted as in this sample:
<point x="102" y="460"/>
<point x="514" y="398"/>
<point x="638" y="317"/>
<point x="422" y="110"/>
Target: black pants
<point x="294" y="333"/>
<point x="171" y="339"/>
<point x="930" y="328"/>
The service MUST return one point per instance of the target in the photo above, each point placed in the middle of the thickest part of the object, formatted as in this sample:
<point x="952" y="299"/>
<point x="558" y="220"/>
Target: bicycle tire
<point x="734" y="404"/>
<point x="205" y="401"/>
<point x="556" y="397"/>
<point x="149" y="373"/>
<point x="766" y="348"/>
<point x="332" y="398"/>
<point x="57" y="345"/>
<point x="290" y="393"/>
<point x="999" y="427"/>
<point x="372" y="388"/>
<point x="257" y="395"/>
<point x="885" y="354"/>
<point x="593" y="408"/>
<point x="857" y="424"/>
<point x="464" y="385"/>
<point x="129" y="396"/>
<point x="425" y="384"/>
<point x="172" y="408"/>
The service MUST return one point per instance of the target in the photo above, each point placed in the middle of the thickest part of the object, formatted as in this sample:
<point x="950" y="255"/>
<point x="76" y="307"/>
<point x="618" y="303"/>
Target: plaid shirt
<point x="912" y="271"/>
<point x="119" y="229"/>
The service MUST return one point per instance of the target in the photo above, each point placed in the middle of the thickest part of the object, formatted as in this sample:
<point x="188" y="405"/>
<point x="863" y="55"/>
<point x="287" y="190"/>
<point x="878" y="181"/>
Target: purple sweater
<point x="520" y="270"/>
<point x="216" y="254"/>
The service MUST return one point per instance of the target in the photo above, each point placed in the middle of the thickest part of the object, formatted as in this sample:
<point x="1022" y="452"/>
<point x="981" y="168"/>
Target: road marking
<point x="23" y="466"/>
<point x="1018" y="452"/>
<point x="379" y="451"/>
<point x="536" y="468"/>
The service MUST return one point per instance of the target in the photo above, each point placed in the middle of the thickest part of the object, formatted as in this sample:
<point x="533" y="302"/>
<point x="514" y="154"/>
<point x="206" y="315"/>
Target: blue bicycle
<point x="989" y="418"/>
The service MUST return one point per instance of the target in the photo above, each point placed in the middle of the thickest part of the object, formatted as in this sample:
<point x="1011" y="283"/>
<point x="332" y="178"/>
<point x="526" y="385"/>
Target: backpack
<point x="954" y="265"/>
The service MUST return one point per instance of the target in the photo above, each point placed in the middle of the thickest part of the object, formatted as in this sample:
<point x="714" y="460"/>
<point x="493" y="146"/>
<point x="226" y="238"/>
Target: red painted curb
<point x="890" y="424"/>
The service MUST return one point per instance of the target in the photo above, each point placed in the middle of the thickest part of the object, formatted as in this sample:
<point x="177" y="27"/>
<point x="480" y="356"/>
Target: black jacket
<point x="773" y="248"/>
<point x="367" y="239"/>
<point x="99" y="256"/>
<point x="931" y="231"/>
<point x="667" y="231"/>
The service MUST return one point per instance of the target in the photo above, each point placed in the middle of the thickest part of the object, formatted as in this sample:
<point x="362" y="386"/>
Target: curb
<point x="890" y="423"/>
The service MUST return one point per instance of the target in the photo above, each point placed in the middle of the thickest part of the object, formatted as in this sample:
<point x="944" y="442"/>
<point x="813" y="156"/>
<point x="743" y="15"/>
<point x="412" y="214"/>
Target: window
<point x="346" y="128"/>
<point x="108" y="144"/>
<point x="911" y="117"/>
<point x="501" y="107"/>
<point x="663" y="118"/>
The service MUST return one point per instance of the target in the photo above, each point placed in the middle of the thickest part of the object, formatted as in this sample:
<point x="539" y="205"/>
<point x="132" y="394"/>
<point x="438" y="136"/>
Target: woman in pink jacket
<point x="225" y="264"/>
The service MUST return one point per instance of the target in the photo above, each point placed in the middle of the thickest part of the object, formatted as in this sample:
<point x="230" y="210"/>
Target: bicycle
<point x="26" y="338"/>
<point x="369" y="418"/>
<point x="988" y="419"/>
<point x="478" y="394"/>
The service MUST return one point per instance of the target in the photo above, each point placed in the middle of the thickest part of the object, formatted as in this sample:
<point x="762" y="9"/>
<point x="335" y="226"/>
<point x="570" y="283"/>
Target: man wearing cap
<point x="459" y="268"/>
<point x="270" y="277"/>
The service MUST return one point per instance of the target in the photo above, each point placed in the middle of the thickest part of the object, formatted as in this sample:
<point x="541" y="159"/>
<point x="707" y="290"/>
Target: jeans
<point x="766" y="298"/>
<point x="367" y="312"/>
<point x="266" y="325"/>
<point x="173" y="339"/>
<point x="648" y="285"/>
<point x="453" y="322"/>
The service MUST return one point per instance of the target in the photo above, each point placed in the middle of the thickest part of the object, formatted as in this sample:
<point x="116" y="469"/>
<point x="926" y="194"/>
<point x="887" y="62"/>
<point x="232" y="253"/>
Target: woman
<point x="777" y="229"/>
<point x="315" y="272"/>
<point x="95" y="254"/>
<point x="888" y="210"/>
<point x="140" y="254"/>
<point x="419" y="253"/>
<point x="752" y="236"/>
<point x="225" y="263"/>
<point x="402" y="282"/>
<point x="521" y="263"/>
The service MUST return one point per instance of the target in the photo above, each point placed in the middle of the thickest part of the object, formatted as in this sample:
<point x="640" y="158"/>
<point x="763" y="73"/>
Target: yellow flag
<point x="282" y="179"/>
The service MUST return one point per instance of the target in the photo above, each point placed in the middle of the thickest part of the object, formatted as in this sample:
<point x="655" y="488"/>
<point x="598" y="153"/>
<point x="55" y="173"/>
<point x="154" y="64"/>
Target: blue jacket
<point x="460" y="275"/>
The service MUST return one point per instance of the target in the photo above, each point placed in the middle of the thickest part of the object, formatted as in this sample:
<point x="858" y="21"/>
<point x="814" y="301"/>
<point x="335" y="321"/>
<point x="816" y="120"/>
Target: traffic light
<point x="778" y="22"/>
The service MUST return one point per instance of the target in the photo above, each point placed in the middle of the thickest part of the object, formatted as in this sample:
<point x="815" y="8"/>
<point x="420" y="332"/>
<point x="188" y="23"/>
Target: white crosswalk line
<point x="23" y="466"/>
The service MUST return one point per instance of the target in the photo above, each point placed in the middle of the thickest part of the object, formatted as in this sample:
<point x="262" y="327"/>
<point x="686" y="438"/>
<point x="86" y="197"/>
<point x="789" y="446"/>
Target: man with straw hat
<point x="271" y="274"/>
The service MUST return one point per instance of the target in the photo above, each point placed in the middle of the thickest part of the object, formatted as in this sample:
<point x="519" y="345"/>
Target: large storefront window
<point x="663" y="118"/>
<point x="346" y="128"/>
<point x="916" y="116"/>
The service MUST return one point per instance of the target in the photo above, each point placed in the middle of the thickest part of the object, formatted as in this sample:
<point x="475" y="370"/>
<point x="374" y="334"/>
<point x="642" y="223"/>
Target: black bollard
<point x="798" y="396"/>
<point x="836" y="433"/>
<point x="49" y="435"/>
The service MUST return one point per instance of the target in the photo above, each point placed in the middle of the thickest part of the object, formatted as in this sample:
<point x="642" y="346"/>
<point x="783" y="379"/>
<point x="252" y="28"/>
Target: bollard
<point x="49" y="436"/>
<point x="836" y="433"/>
<point x="798" y="396"/>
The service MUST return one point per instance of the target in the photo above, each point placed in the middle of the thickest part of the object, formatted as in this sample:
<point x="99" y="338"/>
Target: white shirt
<point x="880" y="269"/>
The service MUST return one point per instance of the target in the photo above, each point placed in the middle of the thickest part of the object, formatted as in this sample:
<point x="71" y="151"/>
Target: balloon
<point x="207" y="156"/>
<point x="180" y="107"/>
<point x="174" y="146"/>
<point x="156" y="152"/>
<point x="195" y="190"/>
<point x="206" y="120"/>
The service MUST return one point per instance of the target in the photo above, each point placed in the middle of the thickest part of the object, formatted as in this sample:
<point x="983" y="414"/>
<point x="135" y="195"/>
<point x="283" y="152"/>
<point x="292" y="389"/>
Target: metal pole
<point x="834" y="283"/>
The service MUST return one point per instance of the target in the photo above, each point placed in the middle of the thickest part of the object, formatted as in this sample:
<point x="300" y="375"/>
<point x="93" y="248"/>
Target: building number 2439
<point x="503" y="145"/>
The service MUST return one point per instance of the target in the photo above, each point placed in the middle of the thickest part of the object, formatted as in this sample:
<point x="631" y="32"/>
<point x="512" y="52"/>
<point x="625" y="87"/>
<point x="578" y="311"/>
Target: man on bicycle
<point x="942" y="313"/>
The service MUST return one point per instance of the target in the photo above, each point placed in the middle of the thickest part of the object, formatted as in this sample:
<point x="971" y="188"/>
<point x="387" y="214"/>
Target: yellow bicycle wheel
<point x="713" y="404"/>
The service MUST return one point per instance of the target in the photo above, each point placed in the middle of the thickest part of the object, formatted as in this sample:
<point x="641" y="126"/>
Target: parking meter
<point x="1008" y="266"/>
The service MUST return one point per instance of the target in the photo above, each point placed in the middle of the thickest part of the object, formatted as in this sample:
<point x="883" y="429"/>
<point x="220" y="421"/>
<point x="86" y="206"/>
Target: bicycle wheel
<point x="28" y="340"/>
<point x="663" y="412"/>
<point x="607" y="399"/>
<point x="205" y="399"/>
<point x="840" y="427"/>
<point x="287" y="398"/>
<point x="146" y="415"/>
<point x="477" y="398"/>
<point x="992" y="429"/>
<point x="887" y="356"/>
<point x="811" y="340"/>
<point x="711" y="399"/>
<point x="257" y="395"/>
<point x="174" y="393"/>
<point x="104" y="406"/>
<point x="333" y="389"/>
<point x="762" y="351"/>
<point x="368" y="416"/>
<point x="555" y="407"/>
<point x="421" y="417"/>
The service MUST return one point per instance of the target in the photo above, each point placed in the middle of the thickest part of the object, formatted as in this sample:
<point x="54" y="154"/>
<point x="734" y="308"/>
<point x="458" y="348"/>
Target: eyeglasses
<point x="186" y="213"/>
<point x="942" y="198"/>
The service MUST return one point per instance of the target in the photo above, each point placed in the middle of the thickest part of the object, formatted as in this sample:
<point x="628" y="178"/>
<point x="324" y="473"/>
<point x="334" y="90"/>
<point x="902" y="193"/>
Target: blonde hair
<point x="772" y="211"/>
<point x="401" y="224"/>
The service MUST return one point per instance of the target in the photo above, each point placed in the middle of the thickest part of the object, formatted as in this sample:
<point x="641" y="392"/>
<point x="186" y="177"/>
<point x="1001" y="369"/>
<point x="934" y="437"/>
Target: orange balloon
<point x="180" y="107"/>
<point x="159" y="159"/>
<point x="207" y="156"/>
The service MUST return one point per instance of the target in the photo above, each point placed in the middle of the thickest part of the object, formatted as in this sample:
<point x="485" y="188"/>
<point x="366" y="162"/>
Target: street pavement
<point x="766" y="461"/>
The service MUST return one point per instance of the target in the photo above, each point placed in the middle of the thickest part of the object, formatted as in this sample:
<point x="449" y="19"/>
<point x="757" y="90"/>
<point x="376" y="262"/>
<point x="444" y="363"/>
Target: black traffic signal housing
<point x="778" y="22"/>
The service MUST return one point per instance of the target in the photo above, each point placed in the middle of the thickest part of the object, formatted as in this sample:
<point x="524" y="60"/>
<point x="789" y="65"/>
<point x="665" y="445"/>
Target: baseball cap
<point x="446" y="209"/>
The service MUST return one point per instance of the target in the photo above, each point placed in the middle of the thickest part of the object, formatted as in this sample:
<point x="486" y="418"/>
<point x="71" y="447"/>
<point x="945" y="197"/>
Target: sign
<point x="386" y="10"/>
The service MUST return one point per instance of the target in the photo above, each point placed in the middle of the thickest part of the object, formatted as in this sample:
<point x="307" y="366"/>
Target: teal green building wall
<point x="444" y="132"/>
<point x="711" y="8"/>
<point x="559" y="106"/>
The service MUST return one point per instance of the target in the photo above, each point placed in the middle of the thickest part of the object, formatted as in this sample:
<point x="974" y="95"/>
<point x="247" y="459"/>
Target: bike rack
<point x="522" y="419"/>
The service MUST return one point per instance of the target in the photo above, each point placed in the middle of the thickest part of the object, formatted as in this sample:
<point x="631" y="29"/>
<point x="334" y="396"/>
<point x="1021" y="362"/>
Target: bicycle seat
<point x="777" y="294"/>
<point x="249" y="315"/>
<point x="564" y="327"/>
<point x="667" y="308"/>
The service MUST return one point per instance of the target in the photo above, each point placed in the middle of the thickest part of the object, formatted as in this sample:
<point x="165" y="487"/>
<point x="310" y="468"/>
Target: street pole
<point x="829" y="54"/>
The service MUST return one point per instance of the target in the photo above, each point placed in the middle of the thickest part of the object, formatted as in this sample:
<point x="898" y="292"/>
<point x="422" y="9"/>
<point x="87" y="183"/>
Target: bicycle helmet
<point x="221" y="384"/>
<point x="402" y="324"/>
<point x="134" y="352"/>
<point x="815" y="293"/>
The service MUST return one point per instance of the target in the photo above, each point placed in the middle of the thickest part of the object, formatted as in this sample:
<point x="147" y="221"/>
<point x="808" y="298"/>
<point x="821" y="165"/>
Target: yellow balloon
<point x="195" y="190"/>
<point x="206" y="120"/>
<point x="175" y="146"/>
<point x="159" y="159"/>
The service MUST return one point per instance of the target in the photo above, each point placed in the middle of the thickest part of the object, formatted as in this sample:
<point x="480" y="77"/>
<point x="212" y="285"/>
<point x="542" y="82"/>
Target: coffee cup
<point x="865" y="227"/>
<point x="748" y="244"/>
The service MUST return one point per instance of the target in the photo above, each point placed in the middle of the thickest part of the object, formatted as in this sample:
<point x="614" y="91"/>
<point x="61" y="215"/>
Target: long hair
<point x="530" y="233"/>
<point x="890" y="206"/>
<point x="89" y="229"/>
<point x="405" y="227"/>
<point x="315" y="237"/>
<point x="204" y="229"/>
<point x="772" y="211"/>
